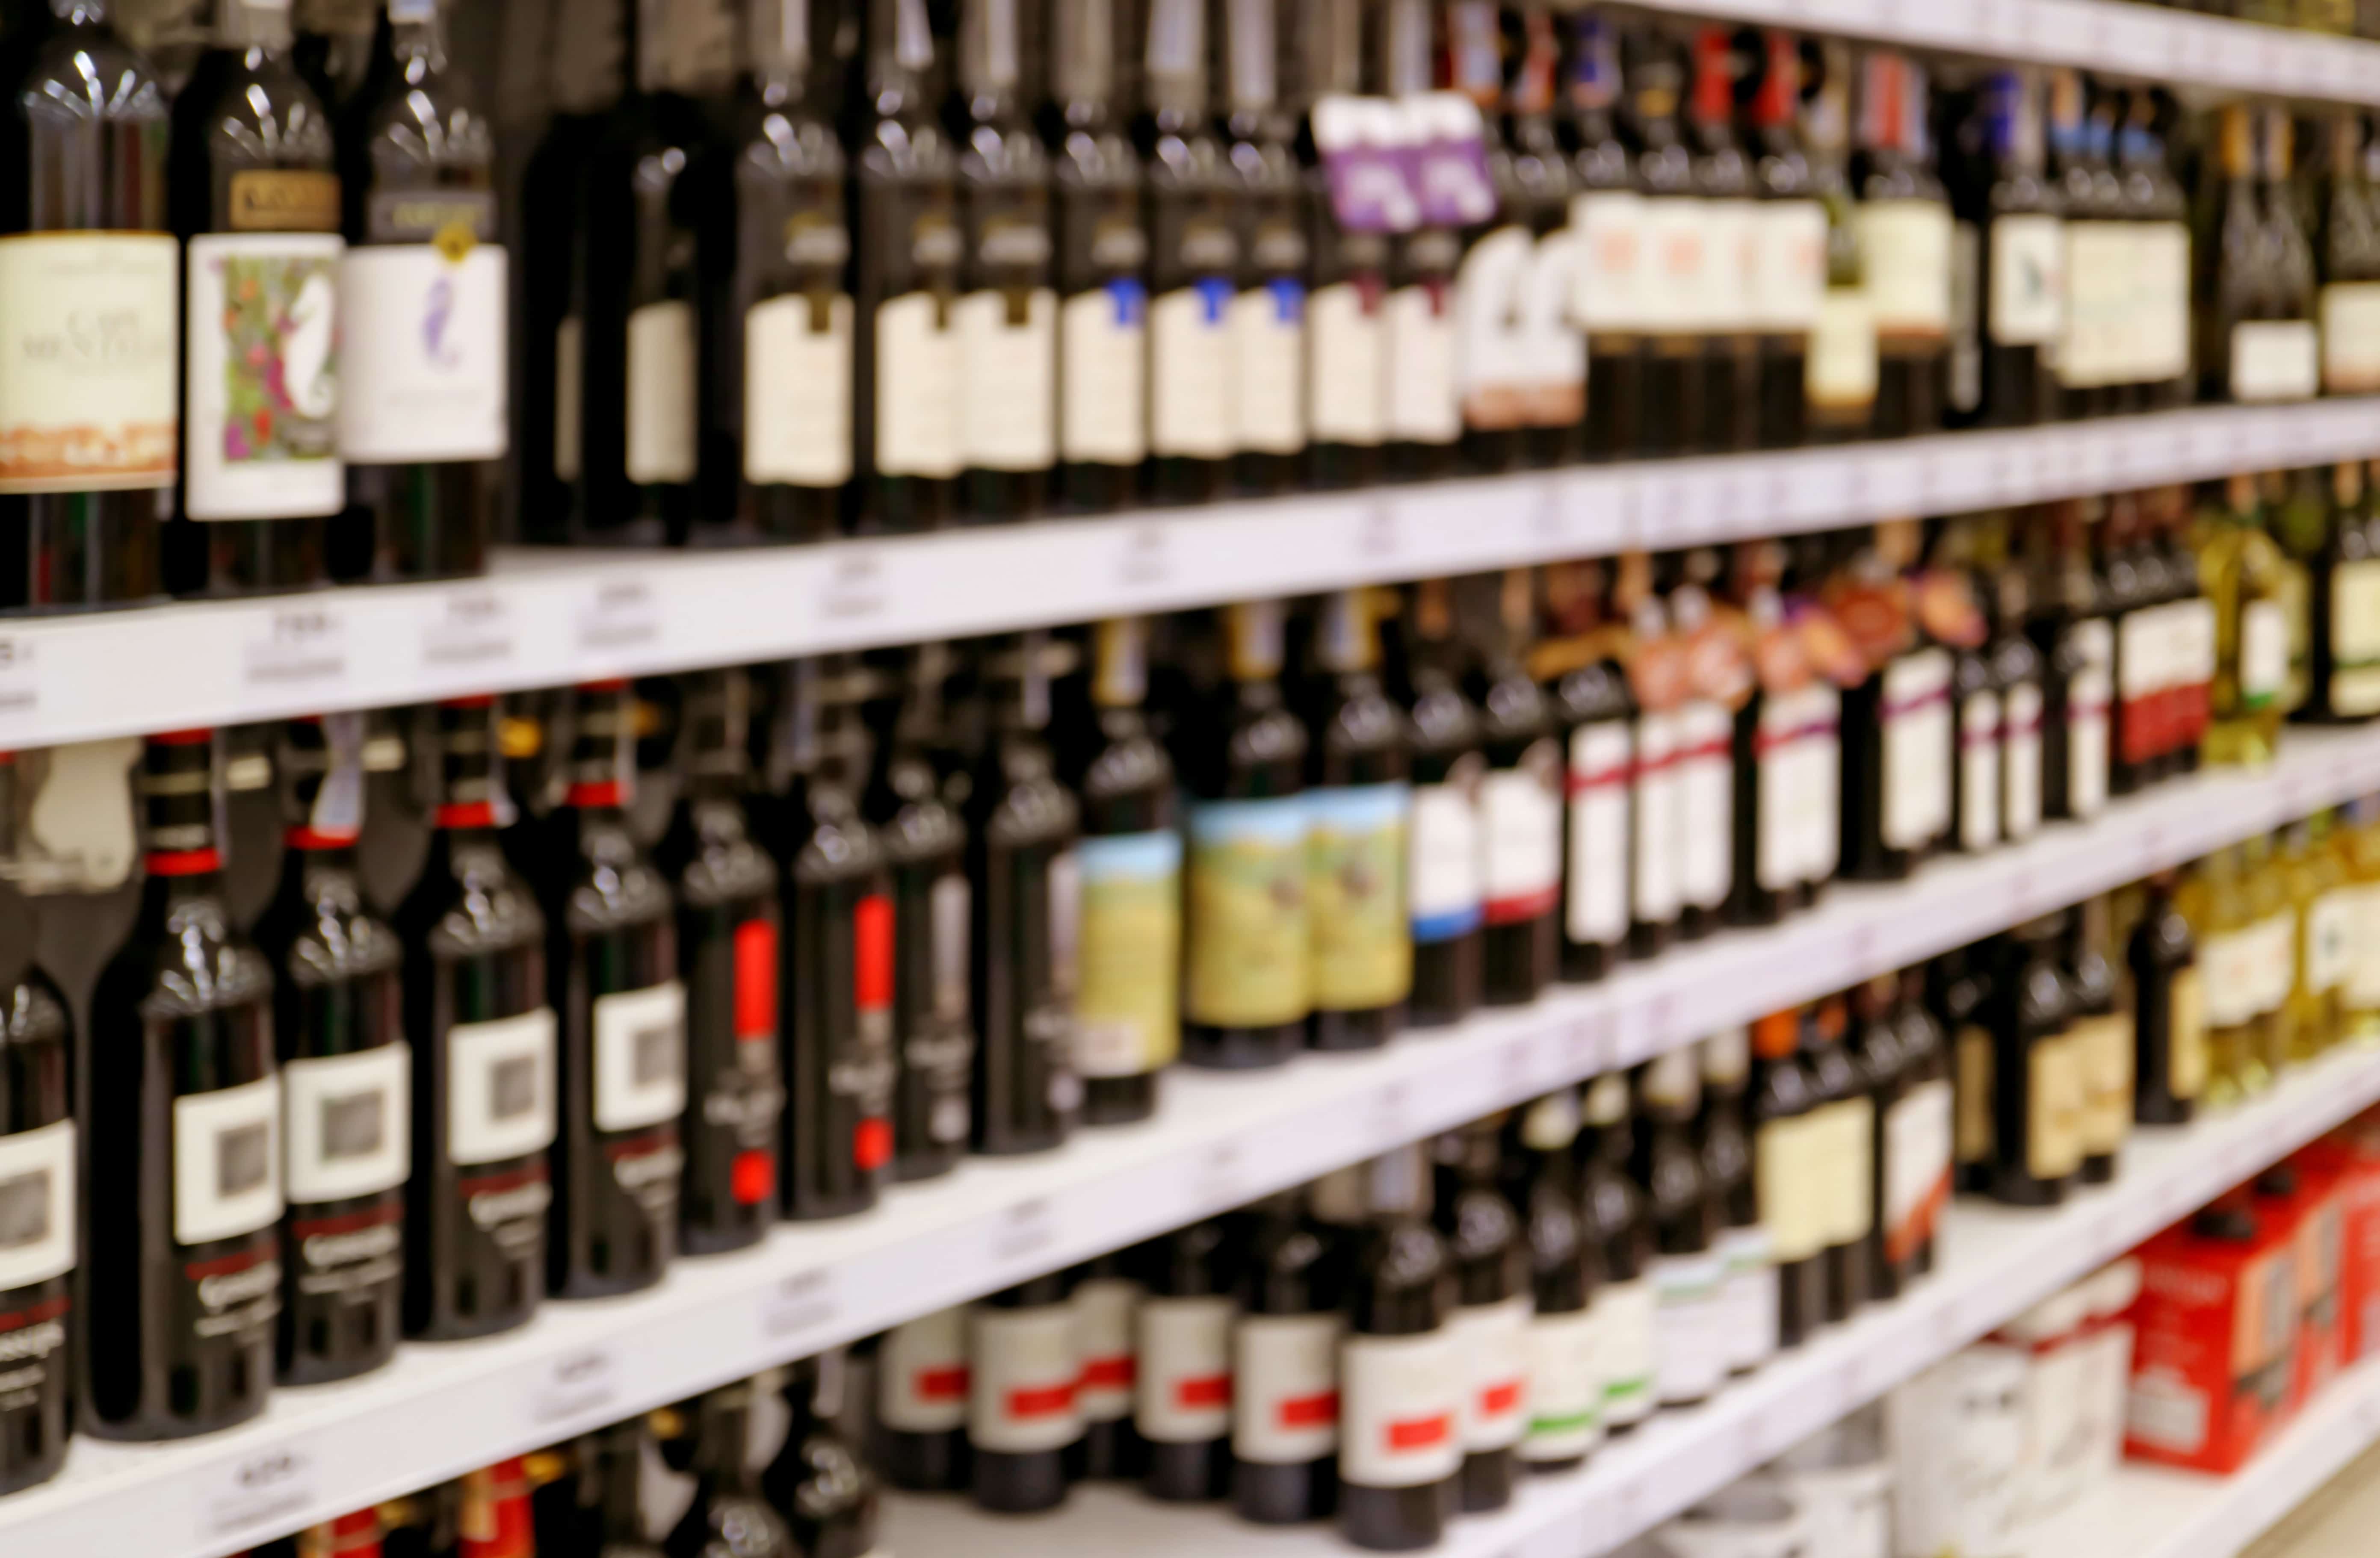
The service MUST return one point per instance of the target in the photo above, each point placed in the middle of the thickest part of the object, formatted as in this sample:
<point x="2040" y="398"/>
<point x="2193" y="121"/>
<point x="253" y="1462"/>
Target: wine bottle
<point x="1484" y="1239"/>
<point x="1920" y="1131"/>
<point x="923" y="1390"/>
<point x="1722" y="180"/>
<point x="1424" y="402"/>
<point x="39" y="1208"/>
<point x="612" y="970"/>
<point x="620" y="1526"/>
<point x="1020" y="1408"/>
<point x="1194" y="261"/>
<point x="1490" y="349"/>
<point x="2101" y="1041"/>
<point x="1346" y="395"/>
<point x="356" y="1534"/>
<point x="1520" y="806"/>
<point x="1182" y="1386"/>
<point x="2094" y="349"/>
<point x="1689" y="1272"/>
<point x="1656" y="675"/>
<point x="1835" y="665"/>
<point x="1607" y="220"/>
<point x="1127" y="1017"/>
<point x="728" y="928"/>
<point x="2256" y="342"/>
<point x="2348" y="252"/>
<point x="1676" y="290"/>
<point x="1898" y="732"/>
<point x="906" y="281"/>
<point x="1873" y="1044"/>
<point x="819" y="1484"/>
<point x="2163" y="250"/>
<point x="1107" y="1296"/>
<point x="1401" y="1376"/>
<point x="1790" y="1172"/>
<point x="1976" y="693"/>
<point x="1006" y="316"/>
<point x="1285" y="1356"/>
<point x="1903" y="222"/>
<point x="255" y="192"/>
<point x="2168" y="1013"/>
<point x="1748" y="1294"/>
<point x="2342" y="573"/>
<point x="729" y="1512"/>
<point x="2008" y="220"/>
<point x="2196" y="634"/>
<point x="184" y="1271"/>
<point x="1844" y="1126"/>
<point x="2249" y="584"/>
<point x="423" y="302"/>
<point x="346" y="1075"/>
<point x="2038" y="1094"/>
<point x="1769" y="766"/>
<point x="1246" y="982"/>
<point x="1442" y="847"/>
<point x="1840" y="384"/>
<point x="1564" y="1366"/>
<point x="785" y="349"/>
<point x="1587" y="685"/>
<point x="1612" y="1207"/>
<point x="1359" y="802"/>
<point x="2076" y="642"/>
<point x="1022" y="826"/>
<point x="1717" y="675"/>
<point x="1553" y="344"/>
<point x="1102" y="264"/>
<point x="1789" y="244"/>
<point x="86" y="232"/>
<point x="1268" y="315"/>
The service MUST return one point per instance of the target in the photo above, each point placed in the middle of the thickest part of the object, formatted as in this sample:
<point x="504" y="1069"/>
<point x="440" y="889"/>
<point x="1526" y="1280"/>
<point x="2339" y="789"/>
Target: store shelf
<point x="1219" y="1142"/>
<point x="1994" y="1261"/>
<point x="2151" y="1513"/>
<point x="549" y="618"/>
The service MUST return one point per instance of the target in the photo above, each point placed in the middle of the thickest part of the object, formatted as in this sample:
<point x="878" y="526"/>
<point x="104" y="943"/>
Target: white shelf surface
<point x="549" y="618"/>
<point x="1219" y="1142"/>
<point x="1993" y="1262"/>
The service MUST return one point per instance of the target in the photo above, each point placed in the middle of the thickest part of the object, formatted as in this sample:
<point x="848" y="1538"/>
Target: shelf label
<point x="854" y="590"/>
<point x="1220" y="1181"/>
<point x="1518" y="1067"/>
<point x="1586" y="1045"/>
<point x="1147" y="555"/>
<point x="1380" y="534"/>
<point x="303" y="648"/>
<point x="576" y="1385"/>
<point x="21" y="689"/>
<point x="469" y="629"/>
<point x="1026" y="1229"/>
<point x="799" y="1303"/>
<point x="271" y="1489"/>
<point x="620" y="614"/>
<point x="1550" y="519"/>
<point x="1390" y="1118"/>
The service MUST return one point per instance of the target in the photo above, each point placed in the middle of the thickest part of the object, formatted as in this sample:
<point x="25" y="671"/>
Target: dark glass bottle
<point x="2008" y="223"/>
<point x="1873" y="1047"/>
<point x="1491" y="285"/>
<point x="346" y="1075"/>
<point x="612" y="973"/>
<point x="1024" y="1367"/>
<point x="1840" y="383"/>
<point x="1103" y="265"/>
<point x="1717" y="671"/>
<point x="1484" y="1237"/>
<point x="184" y="1273"/>
<point x="1674" y="292"/>
<point x="1977" y="695"/>
<point x="729" y="1514"/>
<point x="1268" y="315"/>
<point x="1181" y="1395"/>
<point x="1127" y="1018"/>
<point x="1689" y="1272"/>
<point x="2343" y="580"/>
<point x="1959" y="989"/>
<point x="1789" y="1171"/>
<point x="922" y="1395"/>
<point x="39" y="1208"/>
<point x="1357" y="801"/>
<point x="617" y="1470"/>
<point x="2036" y="1087"/>
<point x="925" y="848"/>
<point x="1898" y="734"/>
<point x="2077" y="646"/>
<point x="1903" y="222"/>
<point x="1722" y="180"/>
<point x="2091" y="355"/>
<point x="2102" y="1042"/>
<point x="1565" y="1371"/>
<point x="1788" y="250"/>
<point x="1770" y="768"/>
<point x="1607" y="230"/>
<point x="1612" y="1207"/>
<point x="1442" y="841"/>
<point x="1657" y="675"/>
<point x="2255" y="269"/>
<point x="1285" y="1361"/>
<point x="1346" y="395"/>
<point x="819" y="1484"/>
<point x="1594" y="714"/>
<point x="2168" y="1022"/>
<point x="1422" y="401"/>
<point x="728" y="928"/>
<point x="1022" y="826"/>
<point x="1194" y="261"/>
<point x="255" y="194"/>
<point x="1106" y="1299"/>
<point x="1519" y="807"/>
<point x="87" y="132"/>
<point x="1842" y="1126"/>
<point x="1748" y="1296"/>
<point x="2347" y="249"/>
<point x="2164" y="208"/>
<point x="1400" y="1370"/>
<point x="1246" y="991"/>
<point x="782" y="376"/>
<point x="483" y="1043"/>
<point x="1918" y="1132"/>
<point x="424" y="333"/>
<point x="1536" y="186"/>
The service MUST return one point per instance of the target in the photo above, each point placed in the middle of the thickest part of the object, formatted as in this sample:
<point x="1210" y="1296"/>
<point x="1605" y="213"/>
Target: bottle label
<point x="1022" y="1379"/>
<point x="1849" y="1149"/>
<point x="1494" y="1339"/>
<point x="1847" y="1511"/>
<point x="349" y="1123"/>
<point x="2095" y="348"/>
<point x="423" y="336"/>
<point x="569" y="366"/>
<point x="1967" y="322"/>
<point x="2027" y="286"/>
<point x="2263" y="653"/>
<point x="1565" y="1363"/>
<point x="1915" y="716"/>
<point x="1247" y="930"/>
<point x="1730" y="265"/>
<point x="1979" y="771"/>
<point x="1607" y="284"/>
<point x="2351" y="337"/>
<point x="1268" y="326"/>
<point x="1839" y="376"/>
<point x="1445" y="860"/>
<point x="2103" y="1050"/>
<point x="500" y="1090"/>
<point x="1796" y="1202"/>
<point x="1905" y="259"/>
<point x="1972" y="1054"/>
<point x="1125" y="1021"/>
<point x="1675" y="285"/>
<point x="797" y="391"/>
<point x="921" y="1374"/>
<point x="1706" y="782"/>
<point x="1777" y="862"/>
<point x="1598" y="909"/>
<point x="1104" y="1329"/>
<point x="1008" y="373"/>
<point x="1821" y="792"/>
<point x="1789" y="268"/>
<point x="1627" y="1312"/>
<point x="1423" y="407"/>
<point x="1553" y="349"/>
<point x="262" y="408"/>
<point x="662" y="435"/>
<point x="1285" y="1388"/>
<point x="227" y="1162"/>
<point x="918" y="387"/>
<point x="2088" y="693"/>
<point x="80" y="411"/>
<point x="1400" y="1406"/>
<point x="37" y="1207"/>
<point x="2186" y="1033"/>
<point x="2162" y="273"/>
<point x="1751" y="1328"/>
<point x="1183" y="1390"/>
<point x="1916" y="1167"/>
<point x="743" y="1096"/>
<point x="1658" y="817"/>
<point x="1689" y="1314"/>
<point x="2277" y="958"/>
<point x="2054" y="1117"/>
<point x="2274" y="360"/>
<point x="1347" y="385"/>
<point x="1190" y="398"/>
<point x="1520" y="811"/>
<point x="2330" y="937"/>
<point x="2234" y="980"/>
<point x="1356" y="896"/>
<point x="2355" y="638"/>
<point x="1491" y="364"/>
<point x="640" y="1052"/>
<point x="1103" y="368"/>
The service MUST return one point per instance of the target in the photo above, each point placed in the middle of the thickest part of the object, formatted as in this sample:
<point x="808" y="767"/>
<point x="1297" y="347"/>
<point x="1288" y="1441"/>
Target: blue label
<point x="1130" y="300"/>
<point x="1288" y="300"/>
<point x="1215" y="296"/>
<point x="1142" y="857"/>
<point x="1358" y="808"/>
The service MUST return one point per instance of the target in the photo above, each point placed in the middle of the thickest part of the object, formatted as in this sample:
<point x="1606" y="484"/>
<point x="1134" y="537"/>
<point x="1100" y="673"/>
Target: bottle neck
<point x="1176" y="62"/>
<point x="259" y="26"/>
<point x="417" y="36"/>
<point x="780" y="46"/>
<point x="988" y="66"/>
<point x="1083" y="61"/>
<point x="901" y="54"/>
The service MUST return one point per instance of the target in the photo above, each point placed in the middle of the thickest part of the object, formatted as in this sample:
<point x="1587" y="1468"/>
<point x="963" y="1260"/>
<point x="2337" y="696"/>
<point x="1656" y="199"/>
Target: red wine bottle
<point x="1400" y="1374"/>
<point x="1442" y="841"/>
<point x="39" y="1208"/>
<point x="255" y="192"/>
<point x="1023" y="1370"/>
<point x="1723" y="179"/>
<point x="1346" y="396"/>
<point x="346" y="1076"/>
<point x="819" y="1484"/>
<point x="1789" y="1175"/>
<point x="727" y="946"/>
<point x="922" y="1395"/>
<point x="1484" y="1239"/>
<point x="729" y="1512"/>
<point x="1689" y="1272"/>
<point x="1423" y="401"/>
<point x="1193" y="260"/>
<point x="1724" y="1131"/>
<point x="1593" y="717"/>
<point x="1358" y="804"/>
<point x="1285" y="1361"/>
<point x="1789" y="262"/>
<point x="86" y="235"/>
<point x="1106" y="1296"/>
<point x="1606" y="222"/>
<point x="1903" y="220"/>
<point x="612" y="973"/>
<point x="1267" y="316"/>
<point x="1656" y="676"/>
<point x="483" y="1043"/>
<point x="1613" y="1210"/>
<point x="184" y="1268"/>
<point x="423" y="297"/>
<point x="1565" y="1397"/>
<point x="1520" y="808"/>
<point x="1182" y="1384"/>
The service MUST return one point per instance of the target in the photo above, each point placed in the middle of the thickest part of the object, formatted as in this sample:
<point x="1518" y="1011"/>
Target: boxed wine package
<point x="2215" y="1331"/>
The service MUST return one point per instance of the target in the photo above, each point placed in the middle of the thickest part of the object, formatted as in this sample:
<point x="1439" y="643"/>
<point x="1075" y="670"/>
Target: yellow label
<point x="282" y="200"/>
<point x="2186" y="1035"/>
<point x="2052" y="1148"/>
<point x="1794" y="1204"/>
<point x="1973" y="1135"/>
<point x="1129" y="949"/>
<point x="2103" y="1047"/>
<point x="1247" y="949"/>
<point x="1355" y="897"/>
<point x="88" y="346"/>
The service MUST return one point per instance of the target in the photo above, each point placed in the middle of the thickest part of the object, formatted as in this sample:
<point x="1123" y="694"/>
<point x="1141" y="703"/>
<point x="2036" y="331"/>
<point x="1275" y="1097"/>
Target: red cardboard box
<point x="2350" y="1157"/>
<point x="2215" y="1333"/>
<point x="2302" y="1193"/>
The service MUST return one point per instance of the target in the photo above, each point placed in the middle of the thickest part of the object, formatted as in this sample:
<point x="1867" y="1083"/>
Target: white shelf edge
<point x="551" y="618"/>
<point x="1219" y="1142"/>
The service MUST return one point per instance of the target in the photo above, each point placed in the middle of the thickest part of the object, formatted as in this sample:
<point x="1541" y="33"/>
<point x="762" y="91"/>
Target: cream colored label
<point x="797" y="391"/>
<point x="1422" y="404"/>
<point x="2052" y="1148"/>
<point x="1190" y="399"/>
<point x="2355" y="613"/>
<point x="1103" y="369"/>
<point x="2186" y="1035"/>
<point x="1794" y="1205"/>
<point x="1269" y="368"/>
<point x="2027" y="290"/>
<point x="1905" y="255"/>
<point x="662" y="393"/>
<point x="1974" y="1132"/>
<point x="1840" y="371"/>
<point x="88" y="396"/>
<point x="2351" y="337"/>
<point x="423" y="339"/>
<point x="916" y="388"/>
<point x="1347" y="390"/>
<point x="1606" y="292"/>
<point x="1007" y="370"/>
<point x="2103" y="1048"/>
<point x="2274" y="360"/>
<point x="261" y="425"/>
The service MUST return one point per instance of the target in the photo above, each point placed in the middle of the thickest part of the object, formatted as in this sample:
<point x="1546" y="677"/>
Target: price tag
<point x="1628" y="500"/>
<point x="580" y="1385"/>
<point x="799" y="1303"/>
<point x="1549" y="515"/>
<point x="854" y="589"/>
<point x="1858" y="952"/>
<point x="302" y="647"/>
<point x="1220" y="1181"/>
<point x="1519" y="1066"/>
<point x="1025" y="1230"/>
<point x="2152" y="857"/>
<point x="1391" y="1117"/>
<point x="1380" y="534"/>
<point x="619" y="615"/>
<point x="1586" y="1045"/>
<point x="20" y="688"/>
<point x="466" y="629"/>
<point x="271" y="1489"/>
<point x="1146" y="558"/>
<point x="2020" y="895"/>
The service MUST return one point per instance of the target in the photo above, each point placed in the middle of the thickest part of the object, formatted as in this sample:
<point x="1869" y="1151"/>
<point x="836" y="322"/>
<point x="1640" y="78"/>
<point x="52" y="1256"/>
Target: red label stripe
<point x="1203" y="1390"/>
<point x="1041" y="1401"/>
<point x="756" y="979"/>
<point x="1522" y="906"/>
<point x="184" y="863"/>
<point x="753" y="1178"/>
<point x="1420" y="1433"/>
<point x="1308" y="1411"/>
<point x="1502" y="1396"/>
<point x="871" y="946"/>
<point x="1107" y="1374"/>
<point x="465" y="814"/>
<point x="1580" y="783"/>
<point x="598" y="793"/>
<point x="319" y="839"/>
<point x="871" y="1144"/>
<point x="949" y="1384"/>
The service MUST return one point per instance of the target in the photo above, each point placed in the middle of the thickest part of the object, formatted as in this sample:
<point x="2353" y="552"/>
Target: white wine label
<point x="916" y="388"/>
<point x="1598" y="909"/>
<point x="639" y="1041"/>
<point x="921" y="1374"/>
<point x="1103" y="375"/>
<point x="85" y="409"/>
<point x="1915" y="715"/>
<point x="1182" y="1393"/>
<point x="1846" y="1510"/>
<point x="1285" y="1387"/>
<point x="1190" y="371"/>
<point x="2089" y="692"/>
<point x="1103" y="1335"/>
<point x="2351" y="337"/>
<point x="1654" y="853"/>
<point x="797" y="391"/>
<point x="1730" y="265"/>
<point x="1553" y="348"/>
<point x="1689" y="1326"/>
<point x="2027" y="288"/>
<point x="1905" y="259"/>
<point x="1520" y="816"/>
<point x="1841" y="369"/>
<point x="1796" y="1202"/>
<point x="1565" y="1355"/>
<point x="1494" y="1338"/>
<point x="662" y="393"/>
<point x="2021" y="761"/>
<point x="2053" y="1146"/>
<point x="2274" y="360"/>
<point x="1443" y="865"/>
<point x="2103" y="1051"/>
<point x="1008" y="378"/>
<point x="1850" y="1169"/>
<point x="226" y="1162"/>
<point x="1916" y="1165"/>
<point x="1625" y="1310"/>
<point x="2096" y="343"/>
<point x="1401" y="1405"/>
<point x="1419" y="340"/>
<point x="1821" y="790"/>
<point x="349" y="1121"/>
<point x="1707" y="803"/>
<point x="1776" y="861"/>
<point x="569" y="370"/>
<point x="1789" y="276"/>
<point x="500" y="1092"/>
<point x="1675" y="285"/>
<point x="2232" y="977"/>
<point x="1608" y="278"/>
<point x="1021" y="1379"/>
<point x="260" y="427"/>
<point x="2264" y="652"/>
<point x="1490" y="361"/>
<point x="2330" y="932"/>
<point x="2161" y="252"/>
<point x="1347" y="376"/>
<point x="421" y="344"/>
<point x="1979" y="770"/>
<point x="2355" y="613"/>
<point x="1268" y="368"/>
<point x="37" y="1205"/>
<point x="1751" y="1329"/>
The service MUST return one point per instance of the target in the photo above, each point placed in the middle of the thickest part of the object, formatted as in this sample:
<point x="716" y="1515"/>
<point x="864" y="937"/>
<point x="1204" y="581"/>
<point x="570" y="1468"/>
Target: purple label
<point x="1451" y="179"/>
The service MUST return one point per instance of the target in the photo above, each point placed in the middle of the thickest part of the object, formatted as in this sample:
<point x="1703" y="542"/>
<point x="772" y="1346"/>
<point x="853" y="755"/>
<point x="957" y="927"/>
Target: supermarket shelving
<point x="551" y="617"/>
